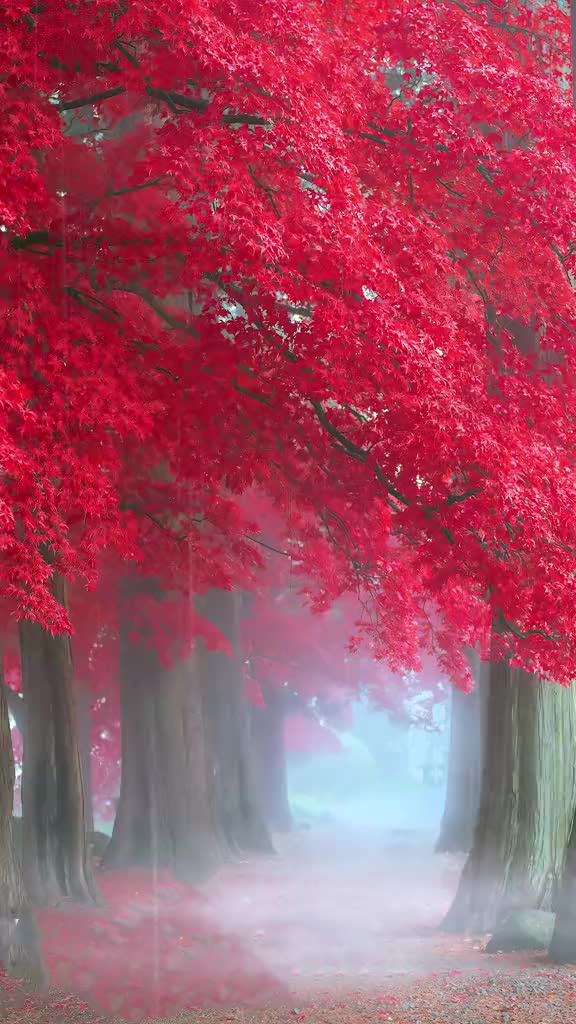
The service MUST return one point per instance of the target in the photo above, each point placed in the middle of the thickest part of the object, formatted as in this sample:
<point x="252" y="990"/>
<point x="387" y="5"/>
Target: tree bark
<point x="230" y="756"/>
<point x="19" y="937"/>
<point x="526" y="804"/>
<point x="15" y="707"/>
<point x="163" y="818"/>
<point x="467" y="724"/>
<point x="563" y="945"/>
<point x="84" y="707"/>
<point x="55" y="854"/>
<point x="270" y="758"/>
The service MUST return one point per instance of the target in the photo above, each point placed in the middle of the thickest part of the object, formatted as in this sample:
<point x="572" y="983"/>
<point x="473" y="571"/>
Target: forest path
<point x="338" y="919"/>
<point x="343" y="906"/>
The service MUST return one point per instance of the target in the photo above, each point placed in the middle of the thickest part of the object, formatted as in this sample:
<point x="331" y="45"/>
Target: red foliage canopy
<point x="322" y="253"/>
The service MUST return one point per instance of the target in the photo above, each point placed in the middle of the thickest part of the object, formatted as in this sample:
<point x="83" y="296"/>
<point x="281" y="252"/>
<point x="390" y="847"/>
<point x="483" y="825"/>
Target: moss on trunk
<point x="526" y="802"/>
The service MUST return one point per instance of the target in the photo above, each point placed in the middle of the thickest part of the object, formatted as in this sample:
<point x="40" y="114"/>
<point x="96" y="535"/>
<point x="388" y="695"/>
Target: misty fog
<point x="349" y="898"/>
<point x="355" y="888"/>
<point x="386" y="777"/>
<point x="356" y="885"/>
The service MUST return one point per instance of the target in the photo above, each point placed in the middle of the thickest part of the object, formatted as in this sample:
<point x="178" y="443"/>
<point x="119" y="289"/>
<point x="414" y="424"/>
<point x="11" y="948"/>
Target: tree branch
<point x="88" y="101"/>
<point x="156" y="306"/>
<point x="525" y="634"/>
<point x="277" y="551"/>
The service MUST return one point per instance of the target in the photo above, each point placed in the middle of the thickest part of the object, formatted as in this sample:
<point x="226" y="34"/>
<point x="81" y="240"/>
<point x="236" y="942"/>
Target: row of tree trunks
<point x="184" y="804"/>
<point x="527" y="800"/>
<point x="188" y="788"/>
<point x="188" y="796"/>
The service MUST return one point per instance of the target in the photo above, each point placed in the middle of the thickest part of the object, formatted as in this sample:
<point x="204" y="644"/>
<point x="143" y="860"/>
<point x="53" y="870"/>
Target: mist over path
<point x="346" y="906"/>
<point x="342" y="913"/>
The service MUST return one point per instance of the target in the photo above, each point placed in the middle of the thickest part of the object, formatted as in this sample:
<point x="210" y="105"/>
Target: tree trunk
<point x="467" y="722"/>
<point x="526" y="803"/>
<point x="270" y="758"/>
<point x="15" y="707"/>
<point x="230" y="756"/>
<point x="55" y="854"/>
<point x="84" y="708"/>
<point x="563" y="945"/>
<point x="19" y="937"/>
<point x="163" y="818"/>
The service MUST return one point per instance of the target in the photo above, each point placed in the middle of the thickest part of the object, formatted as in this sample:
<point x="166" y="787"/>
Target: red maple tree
<point x="301" y="256"/>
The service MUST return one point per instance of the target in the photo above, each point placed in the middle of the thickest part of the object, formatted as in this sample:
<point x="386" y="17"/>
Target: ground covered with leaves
<point x="337" y="929"/>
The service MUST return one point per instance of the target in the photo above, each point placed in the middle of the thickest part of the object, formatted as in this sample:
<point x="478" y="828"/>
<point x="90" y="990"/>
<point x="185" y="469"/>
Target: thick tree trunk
<point x="526" y="803"/>
<point x="270" y="759"/>
<point x="563" y="946"/>
<point x="467" y="723"/>
<point x="163" y="818"/>
<point x="230" y="757"/>
<point x="19" y="938"/>
<point x="55" y="853"/>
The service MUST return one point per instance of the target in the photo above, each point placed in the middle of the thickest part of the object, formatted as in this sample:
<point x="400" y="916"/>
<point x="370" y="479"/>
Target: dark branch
<point x="524" y="634"/>
<point x="178" y="102"/>
<point x="347" y="446"/>
<point x="267" y="189"/>
<point x="172" y="321"/>
<point x="88" y="101"/>
<point x="277" y="551"/>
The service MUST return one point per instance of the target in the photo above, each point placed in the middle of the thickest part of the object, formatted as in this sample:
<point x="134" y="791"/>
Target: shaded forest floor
<point x="339" y="928"/>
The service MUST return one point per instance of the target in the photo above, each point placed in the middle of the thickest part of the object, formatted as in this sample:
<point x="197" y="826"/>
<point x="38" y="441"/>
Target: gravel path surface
<point x="520" y="997"/>
<point x="498" y="998"/>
